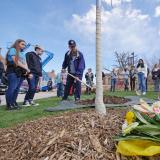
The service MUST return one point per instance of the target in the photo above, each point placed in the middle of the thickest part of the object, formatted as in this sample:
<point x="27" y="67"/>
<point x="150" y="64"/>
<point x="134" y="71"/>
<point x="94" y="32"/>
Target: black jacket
<point x="155" y="74"/>
<point x="34" y="63"/>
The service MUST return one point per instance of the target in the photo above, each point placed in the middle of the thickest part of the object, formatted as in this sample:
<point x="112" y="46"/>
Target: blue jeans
<point x="32" y="82"/>
<point x="12" y="91"/>
<point x="60" y="89"/>
<point x="156" y="84"/>
<point x="113" y="85"/>
<point x="142" y="82"/>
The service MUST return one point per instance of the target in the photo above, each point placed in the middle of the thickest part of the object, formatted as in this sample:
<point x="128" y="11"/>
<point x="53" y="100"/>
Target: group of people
<point x="20" y="66"/>
<point x="140" y="72"/>
<point x="137" y="73"/>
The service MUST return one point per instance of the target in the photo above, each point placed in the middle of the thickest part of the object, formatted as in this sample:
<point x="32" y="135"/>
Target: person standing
<point x="64" y="79"/>
<point x="155" y="77"/>
<point x="89" y="80"/>
<point x="113" y="80"/>
<point x="35" y="65"/>
<point x="59" y="84"/>
<point x="75" y="63"/>
<point x="50" y="85"/>
<point x="132" y="75"/>
<point x="142" y="75"/>
<point x="126" y="79"/>
<point x="15" y="69"/>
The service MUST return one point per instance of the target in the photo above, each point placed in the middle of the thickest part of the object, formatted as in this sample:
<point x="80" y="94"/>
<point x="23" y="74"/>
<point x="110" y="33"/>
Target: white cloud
<point x="157" y="11"/>
<point x="115" y="2"/>
<point x="123" y="30"/>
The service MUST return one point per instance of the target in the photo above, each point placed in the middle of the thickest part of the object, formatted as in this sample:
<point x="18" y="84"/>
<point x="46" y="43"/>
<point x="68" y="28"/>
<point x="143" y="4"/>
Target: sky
<point x="127" y="26"/>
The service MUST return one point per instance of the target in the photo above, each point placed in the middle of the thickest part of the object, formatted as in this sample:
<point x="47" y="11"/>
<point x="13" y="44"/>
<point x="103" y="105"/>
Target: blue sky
<point x="131" y="25"/>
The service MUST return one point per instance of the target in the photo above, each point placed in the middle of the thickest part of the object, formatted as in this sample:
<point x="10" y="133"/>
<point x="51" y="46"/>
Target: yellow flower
<point x="130" y="117"/>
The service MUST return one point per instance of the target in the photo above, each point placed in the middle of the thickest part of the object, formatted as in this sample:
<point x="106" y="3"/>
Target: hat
<point x="72" y="43"/>
<point x="38" y="47"/>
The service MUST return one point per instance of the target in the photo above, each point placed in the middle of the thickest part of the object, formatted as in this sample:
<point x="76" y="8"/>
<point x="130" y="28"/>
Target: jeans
<point x="33" y="83"/>
<point x="60" y="89"/>
<point x="156" y="84"/>
<point x="113" y="85"/>
<point x="18" y="88"/>
<point x="126" y="84"/>
<point x="142" y="82"/>
<point x="12" y="91"/>
<point x="77" y="87"/>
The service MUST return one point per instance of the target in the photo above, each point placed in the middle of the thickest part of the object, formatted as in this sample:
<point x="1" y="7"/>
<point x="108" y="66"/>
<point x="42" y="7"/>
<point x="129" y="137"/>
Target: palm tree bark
<point x="100" y="107"/>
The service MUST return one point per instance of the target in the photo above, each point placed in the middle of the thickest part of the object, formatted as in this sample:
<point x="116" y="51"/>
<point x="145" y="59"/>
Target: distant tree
<point x="125" y="59"/>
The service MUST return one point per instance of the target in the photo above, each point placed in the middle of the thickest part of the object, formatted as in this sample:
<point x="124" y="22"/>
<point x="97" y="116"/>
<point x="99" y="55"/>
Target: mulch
<point x="106" y="100"/>
<point x="80" y="135"/>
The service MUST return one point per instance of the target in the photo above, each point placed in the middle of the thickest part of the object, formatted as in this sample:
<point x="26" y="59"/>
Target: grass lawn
<point x="11" y="118"/>
<point x="150" y="94"/>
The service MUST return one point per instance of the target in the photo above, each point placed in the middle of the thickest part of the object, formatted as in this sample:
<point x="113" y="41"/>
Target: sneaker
<point x="144" y="93"/>
<point x="26" y="104"/>
<point x="138" y="93"/>
<point x="77" y="99"/>
<point x="33" y="103"/>
<point x="10" y="107"/>
<point x="16" y="106"/>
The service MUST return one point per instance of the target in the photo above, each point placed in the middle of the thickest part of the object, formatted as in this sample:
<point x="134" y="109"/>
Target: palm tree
<point x="100" y="107"/>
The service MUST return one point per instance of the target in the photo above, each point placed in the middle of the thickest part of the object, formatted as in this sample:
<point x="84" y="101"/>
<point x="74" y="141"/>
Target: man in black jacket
<point x="35" y="65"/>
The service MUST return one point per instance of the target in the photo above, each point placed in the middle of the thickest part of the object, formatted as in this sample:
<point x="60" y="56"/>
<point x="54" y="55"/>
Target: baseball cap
<point x="38" y="46"/>
<point x="72" y="43"/>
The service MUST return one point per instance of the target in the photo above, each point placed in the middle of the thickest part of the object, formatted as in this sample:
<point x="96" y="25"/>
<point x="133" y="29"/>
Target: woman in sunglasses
<point x="16" y="68"/>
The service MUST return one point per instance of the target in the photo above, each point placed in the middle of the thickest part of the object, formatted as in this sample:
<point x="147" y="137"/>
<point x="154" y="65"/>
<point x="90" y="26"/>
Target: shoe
<point x="64" y="99"/>
<point x="33" y="103"/>
<point x="77" y="99"/>
<point x="16" y="106"/>
<point x="138" y="93"/>
<point x="144" y="93"/>
<point x="26" y="104"/>
<point x="10" y="107"/>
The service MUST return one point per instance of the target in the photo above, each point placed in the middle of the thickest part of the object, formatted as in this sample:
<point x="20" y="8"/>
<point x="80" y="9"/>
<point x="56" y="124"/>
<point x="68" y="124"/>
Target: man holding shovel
<point x="75" y="63"/>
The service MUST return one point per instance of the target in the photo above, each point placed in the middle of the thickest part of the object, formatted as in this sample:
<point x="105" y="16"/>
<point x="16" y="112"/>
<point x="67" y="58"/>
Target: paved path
<point x="68" y="105"/>
<point x="39" y="95"/>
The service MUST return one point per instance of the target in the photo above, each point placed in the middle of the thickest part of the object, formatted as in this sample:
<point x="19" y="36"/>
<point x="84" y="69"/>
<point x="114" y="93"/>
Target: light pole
<point x="100" y="107"/>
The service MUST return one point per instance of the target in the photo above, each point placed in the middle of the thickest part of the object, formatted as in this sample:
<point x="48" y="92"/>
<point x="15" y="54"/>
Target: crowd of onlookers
<point x="136" y="78"/>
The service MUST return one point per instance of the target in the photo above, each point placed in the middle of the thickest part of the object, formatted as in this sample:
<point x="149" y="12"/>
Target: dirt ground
<point x="80" y="135"/>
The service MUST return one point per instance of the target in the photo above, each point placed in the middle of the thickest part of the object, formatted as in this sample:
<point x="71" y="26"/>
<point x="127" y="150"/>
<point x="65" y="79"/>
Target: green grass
<point x="12" y="118"/>
<point x="150" y="94"/>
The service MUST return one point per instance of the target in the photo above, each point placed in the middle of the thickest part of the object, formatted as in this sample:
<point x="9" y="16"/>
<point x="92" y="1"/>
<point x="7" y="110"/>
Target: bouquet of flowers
<point x="141" y="131"/>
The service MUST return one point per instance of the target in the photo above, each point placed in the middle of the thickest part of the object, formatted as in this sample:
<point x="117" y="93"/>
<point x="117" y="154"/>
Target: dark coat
<point x="34" y="63"/>
<point x="79" y="63"/>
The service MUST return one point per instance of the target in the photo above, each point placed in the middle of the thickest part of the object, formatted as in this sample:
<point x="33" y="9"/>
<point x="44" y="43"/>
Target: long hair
<point x="15" y="45"/>
<point x="139" y="64"/>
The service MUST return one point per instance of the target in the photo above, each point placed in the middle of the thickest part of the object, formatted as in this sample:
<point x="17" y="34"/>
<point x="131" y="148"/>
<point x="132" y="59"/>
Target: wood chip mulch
<point x="80" y="135"/>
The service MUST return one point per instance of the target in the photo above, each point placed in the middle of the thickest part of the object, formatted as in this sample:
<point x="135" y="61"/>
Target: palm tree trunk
<point x="100" y="107"/>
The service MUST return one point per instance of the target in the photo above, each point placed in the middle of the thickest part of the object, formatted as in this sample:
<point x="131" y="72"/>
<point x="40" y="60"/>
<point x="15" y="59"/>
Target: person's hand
<point x="40" y="79"/>
<point x="63" y="70"/>
<point x="77" y="78"/>
<point x="30" y="76"/>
